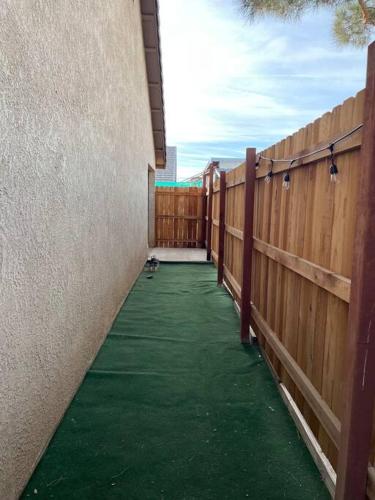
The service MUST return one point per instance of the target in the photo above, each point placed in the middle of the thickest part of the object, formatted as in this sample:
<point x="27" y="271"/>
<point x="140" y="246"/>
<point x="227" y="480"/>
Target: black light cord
<point x="311" y="153"/>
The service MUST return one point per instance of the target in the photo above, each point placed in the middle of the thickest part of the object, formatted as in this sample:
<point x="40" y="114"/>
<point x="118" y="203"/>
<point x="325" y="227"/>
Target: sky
<point x="231" y="84"/>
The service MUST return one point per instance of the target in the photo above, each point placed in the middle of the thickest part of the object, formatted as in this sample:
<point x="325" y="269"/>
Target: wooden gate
<point x="179" y="217"/>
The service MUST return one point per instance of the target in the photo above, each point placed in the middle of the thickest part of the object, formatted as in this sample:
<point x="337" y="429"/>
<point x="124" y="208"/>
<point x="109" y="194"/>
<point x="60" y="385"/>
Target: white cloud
<point x="225" y="80"/>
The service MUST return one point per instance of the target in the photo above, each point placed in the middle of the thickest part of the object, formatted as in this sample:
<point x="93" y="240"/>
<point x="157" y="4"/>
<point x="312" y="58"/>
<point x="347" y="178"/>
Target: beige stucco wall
<point x="75" y="145"/>
<point x="151" y="207"/>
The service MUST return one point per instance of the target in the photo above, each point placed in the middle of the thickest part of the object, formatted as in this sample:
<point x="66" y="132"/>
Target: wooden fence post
<point x="204" y="211"/>
<point x="247" y="245"/>
<point x="209" y="210"/>
<point x="220" y="260"/>
<point x="357" y="417"/>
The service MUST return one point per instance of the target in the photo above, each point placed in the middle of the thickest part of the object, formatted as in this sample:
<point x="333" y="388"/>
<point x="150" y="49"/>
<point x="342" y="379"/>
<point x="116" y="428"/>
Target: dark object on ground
<point x="152" y="264"/>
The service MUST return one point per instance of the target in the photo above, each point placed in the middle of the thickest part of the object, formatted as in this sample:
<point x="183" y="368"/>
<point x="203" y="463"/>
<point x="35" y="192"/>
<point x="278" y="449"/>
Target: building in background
<point x="225" y="164"/>
<point x="170" y="172"/>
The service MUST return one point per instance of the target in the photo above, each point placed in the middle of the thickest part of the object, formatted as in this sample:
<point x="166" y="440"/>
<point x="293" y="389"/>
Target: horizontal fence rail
<point x="302" y="236"/>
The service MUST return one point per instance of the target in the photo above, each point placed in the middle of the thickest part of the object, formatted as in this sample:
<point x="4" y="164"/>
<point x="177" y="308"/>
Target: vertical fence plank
<point x="360" y="357"/>
<point x="220" y="263"/>
<point x="209" y="210"/>
<point x="204" y="211"/>
<point x="178" y="217"/>
<point x="247" y="244"/>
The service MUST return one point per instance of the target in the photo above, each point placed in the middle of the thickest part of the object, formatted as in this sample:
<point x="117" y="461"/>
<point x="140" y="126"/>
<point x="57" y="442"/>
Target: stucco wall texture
<point x="76" y="142"/>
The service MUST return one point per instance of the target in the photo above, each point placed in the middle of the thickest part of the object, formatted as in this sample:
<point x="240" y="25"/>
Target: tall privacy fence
<point x="292" y="233"/>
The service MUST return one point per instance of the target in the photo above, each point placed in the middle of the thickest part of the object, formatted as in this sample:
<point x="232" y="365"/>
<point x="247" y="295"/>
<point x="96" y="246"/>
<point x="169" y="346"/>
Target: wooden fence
<point x="178" y="217"/>
<point x="292" y="250"/>
<point x="291" y="232"/>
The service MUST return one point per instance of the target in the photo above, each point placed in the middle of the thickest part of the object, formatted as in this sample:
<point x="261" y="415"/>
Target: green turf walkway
<point x="175" y="408"/>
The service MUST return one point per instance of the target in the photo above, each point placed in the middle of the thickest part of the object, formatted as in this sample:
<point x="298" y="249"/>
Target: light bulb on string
<point x="286" y="178"/>
<point x="333" y="170"/>
<point x="286" y="181"/>
<point x="268" y="177"/>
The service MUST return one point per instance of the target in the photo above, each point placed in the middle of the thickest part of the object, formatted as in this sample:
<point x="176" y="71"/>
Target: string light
<point x="268" y="177"/>
<point x="333" y="170"/>
<point x="286" y="179"/>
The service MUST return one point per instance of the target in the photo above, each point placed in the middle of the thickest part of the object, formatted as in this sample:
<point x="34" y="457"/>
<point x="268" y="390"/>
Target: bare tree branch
<point x="365" y="14"/>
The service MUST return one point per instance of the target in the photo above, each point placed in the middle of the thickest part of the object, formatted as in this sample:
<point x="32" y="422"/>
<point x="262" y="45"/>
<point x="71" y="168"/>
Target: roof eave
<point x="151" y="41"/>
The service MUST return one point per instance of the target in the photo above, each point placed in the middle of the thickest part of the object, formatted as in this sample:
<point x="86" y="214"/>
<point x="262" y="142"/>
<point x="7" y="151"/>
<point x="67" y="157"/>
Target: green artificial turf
<point x="174" y="407"/>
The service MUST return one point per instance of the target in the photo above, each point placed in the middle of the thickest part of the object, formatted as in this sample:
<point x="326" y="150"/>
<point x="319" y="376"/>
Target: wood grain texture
<point x="248" y="241"/>
<point x="359" y="390"/>
<point x="221" y="228"/>
<point x="178" y="217"/>
<point x="302" y="262"/>
<point x="324" y="278"/>
<point x="210" y="196"/>
<point x="319" y="406"/>
<point x="304" y="247"/>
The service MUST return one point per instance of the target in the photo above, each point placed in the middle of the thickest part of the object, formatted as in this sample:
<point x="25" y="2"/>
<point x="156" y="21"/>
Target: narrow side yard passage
<point x="174" y="407"/>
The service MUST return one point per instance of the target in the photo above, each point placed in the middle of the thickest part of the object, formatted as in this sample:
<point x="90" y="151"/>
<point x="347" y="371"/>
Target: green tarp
<point x="174" y="407"/>
<point x="178" y="184"/>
